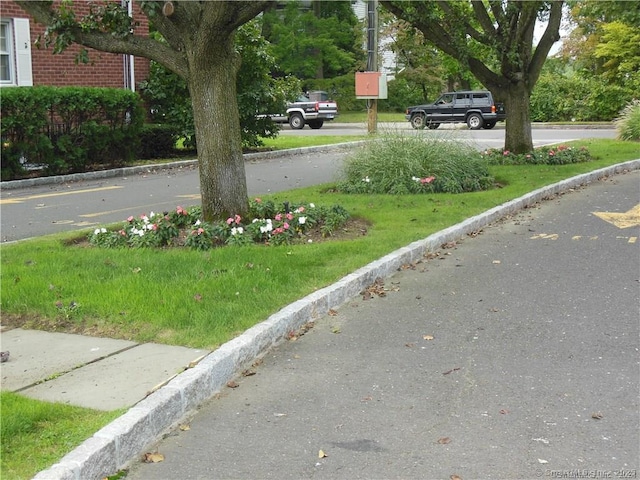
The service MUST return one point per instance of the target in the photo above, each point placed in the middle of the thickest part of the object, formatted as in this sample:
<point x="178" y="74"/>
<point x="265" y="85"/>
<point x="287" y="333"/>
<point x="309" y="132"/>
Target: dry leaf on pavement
<point x="153" y="457"/>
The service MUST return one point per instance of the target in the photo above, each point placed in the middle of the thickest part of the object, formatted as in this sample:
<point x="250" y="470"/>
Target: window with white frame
<point x="15" y="52"/>
<point x="6" y="59"/>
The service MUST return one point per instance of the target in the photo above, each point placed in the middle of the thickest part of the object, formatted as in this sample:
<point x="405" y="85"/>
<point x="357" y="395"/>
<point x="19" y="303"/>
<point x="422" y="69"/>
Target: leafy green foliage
<point x="168" y="98"/>
<point x="321" y="42"/>
<point x="628" y="123"/>
<point x="65" y="129"/>
<point x="269" y="225"/>
<point x="557" y="97"/>
<point x="399" y="164"/>
<point x="557" y="155"/>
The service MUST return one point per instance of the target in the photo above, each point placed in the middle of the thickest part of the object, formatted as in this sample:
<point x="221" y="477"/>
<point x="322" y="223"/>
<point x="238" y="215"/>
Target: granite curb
<point x="118" y="444"/>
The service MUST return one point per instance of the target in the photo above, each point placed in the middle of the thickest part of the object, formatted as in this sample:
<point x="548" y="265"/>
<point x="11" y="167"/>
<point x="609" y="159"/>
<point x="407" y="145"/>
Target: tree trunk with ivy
<point x="198" y="45"/>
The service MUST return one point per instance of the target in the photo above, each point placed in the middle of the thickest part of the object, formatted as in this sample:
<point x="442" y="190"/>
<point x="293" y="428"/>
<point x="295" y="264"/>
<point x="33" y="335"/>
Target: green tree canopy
<point x="317" y="42"/>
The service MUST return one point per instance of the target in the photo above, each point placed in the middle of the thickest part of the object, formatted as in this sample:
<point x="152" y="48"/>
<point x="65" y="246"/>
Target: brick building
<point x="23" y="64"/>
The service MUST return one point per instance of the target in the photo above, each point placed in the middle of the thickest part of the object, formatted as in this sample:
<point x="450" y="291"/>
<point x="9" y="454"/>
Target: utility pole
<point x="372" y="61"/>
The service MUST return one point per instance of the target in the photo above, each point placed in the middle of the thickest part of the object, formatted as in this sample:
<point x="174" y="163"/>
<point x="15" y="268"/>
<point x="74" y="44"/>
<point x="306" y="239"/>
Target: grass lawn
<point x="203" y="299"/>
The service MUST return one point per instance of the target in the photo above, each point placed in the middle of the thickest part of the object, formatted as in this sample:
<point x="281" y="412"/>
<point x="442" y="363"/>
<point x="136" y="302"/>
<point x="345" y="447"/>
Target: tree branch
<point x="550" y="36"/>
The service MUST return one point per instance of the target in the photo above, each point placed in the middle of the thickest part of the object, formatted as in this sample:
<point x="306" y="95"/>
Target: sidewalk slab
<point x="98" y="373"/>
<point x="37" y="355"/>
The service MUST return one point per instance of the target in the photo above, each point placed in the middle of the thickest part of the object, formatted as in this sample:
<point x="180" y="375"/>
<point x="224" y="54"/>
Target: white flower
<point x="197" y="223"/>
<point x="145" y="219"/>
<point x="96" y="231"/>
<point x="366" y="179"/>
<point x="312" y="205"/>
<point x="151" y="215"/>
<point x="237" y="231"/>
<point x="302" y="220"/>
<point x="415" y="179"/>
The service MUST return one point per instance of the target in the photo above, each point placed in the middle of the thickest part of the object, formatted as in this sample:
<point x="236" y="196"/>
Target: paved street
<point x="513" y="354"/>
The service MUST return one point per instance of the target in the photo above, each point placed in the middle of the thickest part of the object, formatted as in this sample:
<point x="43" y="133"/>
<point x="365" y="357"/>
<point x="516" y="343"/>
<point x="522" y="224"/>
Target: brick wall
<point x="105" y="69"/>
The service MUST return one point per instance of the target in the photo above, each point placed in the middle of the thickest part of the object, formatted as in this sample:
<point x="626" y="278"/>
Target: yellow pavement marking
<point x="195" y="196"/>
<point x="547" y="236"/>
<point x="630" y="218"/>
<point x="9" y="201"/>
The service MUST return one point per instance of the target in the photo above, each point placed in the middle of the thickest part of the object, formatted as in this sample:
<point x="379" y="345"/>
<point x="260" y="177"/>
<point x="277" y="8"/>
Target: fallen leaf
<point x="153" y="457"/>
<point x="410" y="345"/>
<point x="428" y="337"/>
<point x="335" y="330"/>
<point x="232" y="384"/>
<point x="332" y="312"/>
<point x="452" y="370"/>
<point x="542" y="461"/>
<point x="504" y="411"/>
<point x="184" y="428"/>
<point x="597" y="415"/>
<point x="496" y="262"/>
<point x="455" y="477"/>
<point x="197" y="297"/>
<point x="444" y="440"/>
<point x="321" y="454"/>
<point x="248" y="373"/>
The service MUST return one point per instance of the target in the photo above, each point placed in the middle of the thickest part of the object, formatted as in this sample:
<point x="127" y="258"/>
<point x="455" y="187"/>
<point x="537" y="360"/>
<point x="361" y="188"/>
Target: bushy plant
<point x="400" y="164"/>
<point x="628" y="122"/>
<point x="560" y="155"/>
<point x="270" y="226"/>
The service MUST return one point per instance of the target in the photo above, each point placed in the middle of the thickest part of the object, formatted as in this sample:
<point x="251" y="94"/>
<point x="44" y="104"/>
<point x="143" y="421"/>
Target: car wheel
<point x="489" y="125"/>
<point x="433" y="126"/>
<point x="316" y="124"/>
<point x="296" y="121"/>
<point x="418" y="121"/>
<point x="474" y="121"/>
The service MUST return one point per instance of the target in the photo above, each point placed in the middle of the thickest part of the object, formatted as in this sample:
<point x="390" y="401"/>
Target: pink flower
<point x="300" y="209"/>
<point x="180" y="210"/>
<point x="427" y="180"/>
<point x="123" y="233"/>
<point x="130" y="219"/>
<point x="237" y="219"/>
<point x="552" y="153"/>
<point x="506" y="152"/>
<point x="528" y="155"/>
<point x="154" y="227"/>
<point x="229" y="221"/>
<point x="278" y="217"/>
<point x="285" y="226"/>
<point x="258" y="200"/>
<point x="289" y="216"/>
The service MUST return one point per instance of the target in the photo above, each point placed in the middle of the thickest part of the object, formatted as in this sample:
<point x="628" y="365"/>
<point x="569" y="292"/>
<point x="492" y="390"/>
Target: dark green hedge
<point x="61" y="130"/>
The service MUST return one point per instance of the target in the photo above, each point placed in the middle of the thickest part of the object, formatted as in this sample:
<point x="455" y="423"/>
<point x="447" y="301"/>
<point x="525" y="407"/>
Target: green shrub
<point x="628" y="122"/>
<point x="398" y="164"/>
<point x="65" y="129"/>
<point x="157" y="141"/>
<point x="557" y="98"/>
<point x="558" y="155"/>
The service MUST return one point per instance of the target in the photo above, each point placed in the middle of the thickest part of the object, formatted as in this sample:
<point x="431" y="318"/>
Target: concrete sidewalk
<point x="109" y="374"/>
<point x="98" y="373"/>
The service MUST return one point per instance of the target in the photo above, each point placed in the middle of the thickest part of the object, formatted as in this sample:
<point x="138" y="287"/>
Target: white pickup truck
<point x="313" y="110"/>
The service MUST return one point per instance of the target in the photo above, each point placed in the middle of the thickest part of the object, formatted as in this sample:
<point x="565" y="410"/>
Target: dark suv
<point x="476" y="108"/>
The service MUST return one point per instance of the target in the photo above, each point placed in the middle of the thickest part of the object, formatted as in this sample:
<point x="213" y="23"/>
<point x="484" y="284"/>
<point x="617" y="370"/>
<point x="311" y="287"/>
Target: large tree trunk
<point x="518" y="137"/>
<point x="212" y="86"/>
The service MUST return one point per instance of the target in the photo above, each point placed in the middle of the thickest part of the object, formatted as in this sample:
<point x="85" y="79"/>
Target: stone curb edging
<point x="120" y="443"/>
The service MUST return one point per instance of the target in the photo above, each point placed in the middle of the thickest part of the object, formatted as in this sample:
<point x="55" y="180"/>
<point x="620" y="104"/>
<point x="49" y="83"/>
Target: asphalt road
<point x="36" y="211"/>
<point x="513" y="354"/>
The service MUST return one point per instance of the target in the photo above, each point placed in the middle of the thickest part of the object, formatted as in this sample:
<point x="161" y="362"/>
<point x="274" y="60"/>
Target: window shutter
<point x="24" y="75"/>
